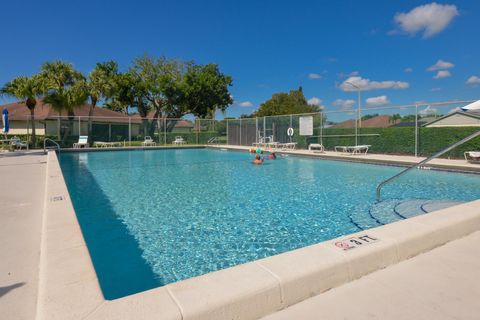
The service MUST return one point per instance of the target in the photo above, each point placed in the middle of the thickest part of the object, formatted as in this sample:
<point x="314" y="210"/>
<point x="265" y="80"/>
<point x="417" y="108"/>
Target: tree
<point x="100" y="85"/>
<point x="66" y="89"/>
<point x="123" y="96"/>
<point x="369" y="116"/>
<point x="282" y="103"/>
<point x="394" y="117"/>
<point x="28" y="90"/>
<point x="206" y="90"/>
<point x="171" y="89"/>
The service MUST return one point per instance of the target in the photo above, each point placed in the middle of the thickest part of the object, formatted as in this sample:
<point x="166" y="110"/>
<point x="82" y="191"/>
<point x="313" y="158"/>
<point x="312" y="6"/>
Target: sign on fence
<point x="306" y="126"/>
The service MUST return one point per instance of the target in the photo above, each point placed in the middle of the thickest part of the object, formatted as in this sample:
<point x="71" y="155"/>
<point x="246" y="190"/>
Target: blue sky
<point x="266" y="46"/>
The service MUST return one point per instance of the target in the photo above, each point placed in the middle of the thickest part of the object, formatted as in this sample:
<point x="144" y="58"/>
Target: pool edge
<point x="69" y="288"/>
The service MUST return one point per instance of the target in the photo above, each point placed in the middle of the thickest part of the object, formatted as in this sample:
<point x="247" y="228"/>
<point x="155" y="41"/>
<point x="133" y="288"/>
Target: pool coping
<point x="69" y="288"/>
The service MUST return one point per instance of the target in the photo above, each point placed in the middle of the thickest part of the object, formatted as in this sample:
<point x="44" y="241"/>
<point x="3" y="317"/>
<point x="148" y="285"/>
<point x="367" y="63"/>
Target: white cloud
<point x="441" y="65"/>
<point x="442" y="74"/>
<point x="473" y="81"/>
<point x="430" y="19"/>
<point x="343" y="104"/>
<point x="366" y="84"/>
<point x="408" y="70"/>
<point x="435" y="89"/>
<point x="377" y="101"/>
<point x="314" y="101"/>
<point x="245" y="104"/>
<point x="454" y="110"/>
<point x="428" y="111"/>
<point x="313" y="76"/>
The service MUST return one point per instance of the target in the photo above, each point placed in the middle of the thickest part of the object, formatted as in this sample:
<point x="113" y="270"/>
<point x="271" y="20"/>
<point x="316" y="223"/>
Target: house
<point x="456" y="119"/>
<point x="107" y="125"/>
<point x="382" y="121"/>
<point x="51" y="123"/>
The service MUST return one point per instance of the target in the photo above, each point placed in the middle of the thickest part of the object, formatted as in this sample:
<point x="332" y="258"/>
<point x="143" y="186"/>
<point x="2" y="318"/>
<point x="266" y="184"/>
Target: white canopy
<point x="472" y="106"/>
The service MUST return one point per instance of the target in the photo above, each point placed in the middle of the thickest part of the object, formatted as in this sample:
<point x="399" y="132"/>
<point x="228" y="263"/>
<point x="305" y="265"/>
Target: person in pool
<point x="272" y="156"/>
<point x="258" y="160"/>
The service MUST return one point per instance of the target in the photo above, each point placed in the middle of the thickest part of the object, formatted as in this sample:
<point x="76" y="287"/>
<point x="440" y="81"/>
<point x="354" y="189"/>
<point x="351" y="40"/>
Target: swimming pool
<point x="158" y="216"/>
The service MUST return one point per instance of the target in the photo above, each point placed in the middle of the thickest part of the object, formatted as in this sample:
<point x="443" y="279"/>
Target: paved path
<point x="22" y="191"/>
<point x="441" y="284"/>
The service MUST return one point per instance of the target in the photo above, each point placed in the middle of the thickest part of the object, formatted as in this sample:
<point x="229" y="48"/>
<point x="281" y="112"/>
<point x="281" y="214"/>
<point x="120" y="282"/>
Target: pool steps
<point x="393" y="210"/>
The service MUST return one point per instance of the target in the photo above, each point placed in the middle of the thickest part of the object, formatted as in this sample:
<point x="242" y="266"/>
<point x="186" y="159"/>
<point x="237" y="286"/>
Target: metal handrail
<point x="45" y="144"/>
<point x="438" y="154"/>
<point x="212" y="140"/>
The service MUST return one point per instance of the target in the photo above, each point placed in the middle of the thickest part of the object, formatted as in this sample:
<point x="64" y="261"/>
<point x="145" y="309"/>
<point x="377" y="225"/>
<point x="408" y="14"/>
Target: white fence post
<point x="129" y="131"/>
<point x="416" y="130"/>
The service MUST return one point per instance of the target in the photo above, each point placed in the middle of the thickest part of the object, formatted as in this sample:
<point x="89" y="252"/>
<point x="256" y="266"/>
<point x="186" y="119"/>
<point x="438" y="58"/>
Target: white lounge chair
<point x="18" y="144"/>
<point x="149" y="142"/>
<point x="314" y="146"/>
<point x="472" y="156"/>
<point x="82" y="142"/>
<point x="353" y="149"/>
<point x="288" y="146"/>
<point x="178" y="140"/>
<point x="103" y="144"/>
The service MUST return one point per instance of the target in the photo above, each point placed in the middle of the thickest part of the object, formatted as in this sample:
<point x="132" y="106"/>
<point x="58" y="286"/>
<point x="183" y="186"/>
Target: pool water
<point x="158" y="216"/>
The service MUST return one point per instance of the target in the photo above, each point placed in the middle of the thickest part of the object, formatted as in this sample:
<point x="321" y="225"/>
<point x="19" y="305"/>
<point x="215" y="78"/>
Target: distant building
<point x="382" y="121"/>
<point x="456" y="119"/>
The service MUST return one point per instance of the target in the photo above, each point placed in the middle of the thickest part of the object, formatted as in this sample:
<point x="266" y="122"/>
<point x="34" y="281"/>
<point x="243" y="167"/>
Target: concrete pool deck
<point x="433" y="285"/>
<point x="21" y="209"/>
<point x="69" y="288"/>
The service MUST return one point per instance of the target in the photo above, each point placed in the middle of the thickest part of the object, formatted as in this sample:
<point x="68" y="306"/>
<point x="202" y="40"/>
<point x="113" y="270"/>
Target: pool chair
<point x="148" y="142"/>
<point x="82" y="142"/>
<point x="178" y="140"/>
<point x="17" y="144"/>
<point x="353" y="149"/>
<point x="472" y="156"/>
<point x="288" y="146"/>
<point x="315" y="146"/>
<point x="103" y="144"/>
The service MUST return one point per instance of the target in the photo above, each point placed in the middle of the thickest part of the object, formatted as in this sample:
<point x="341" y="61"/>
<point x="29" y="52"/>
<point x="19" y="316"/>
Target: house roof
<point x="18" y="111"/>
<point x="375" y="122"/>
<point x="43" y="111"/>
<point x="469" y="114"/>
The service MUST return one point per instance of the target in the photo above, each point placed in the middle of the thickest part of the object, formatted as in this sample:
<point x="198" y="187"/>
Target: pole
<point x="228" y="142"/>
<point x="79" y="127"/>
<point x="165" y="131"/>
<point x="321" y="128"/>
<point x="416" y="130"/>
<point x="240" y="143"/>
<point x="129" y="131"/>
<point x="359" y="114"/>
<point x="197" y="121"/>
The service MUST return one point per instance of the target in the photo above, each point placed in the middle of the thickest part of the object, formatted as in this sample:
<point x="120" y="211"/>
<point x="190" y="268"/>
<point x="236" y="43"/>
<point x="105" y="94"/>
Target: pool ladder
<point x="57" y="146"/>
<point x="421" y="163"/>
<point x="213" y="140"/>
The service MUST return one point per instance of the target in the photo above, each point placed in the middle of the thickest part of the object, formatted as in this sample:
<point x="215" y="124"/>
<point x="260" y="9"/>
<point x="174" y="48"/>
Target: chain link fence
<point x="419" y="129"/>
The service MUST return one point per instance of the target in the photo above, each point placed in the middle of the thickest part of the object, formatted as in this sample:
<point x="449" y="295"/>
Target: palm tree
<point x="100" y="85"/>
<point x="28" y="90"/>
<point x="66" y="89"/>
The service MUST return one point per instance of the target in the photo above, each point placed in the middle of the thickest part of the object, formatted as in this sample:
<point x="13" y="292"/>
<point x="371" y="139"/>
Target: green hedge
<point x="401" y="140"/>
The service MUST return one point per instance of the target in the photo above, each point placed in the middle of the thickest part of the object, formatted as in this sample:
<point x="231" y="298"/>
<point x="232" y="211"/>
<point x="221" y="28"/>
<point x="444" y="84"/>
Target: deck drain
<point x="56" y="198"/>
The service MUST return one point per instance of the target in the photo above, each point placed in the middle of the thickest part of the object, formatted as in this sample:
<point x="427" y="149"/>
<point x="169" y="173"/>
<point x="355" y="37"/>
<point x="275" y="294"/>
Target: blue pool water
<point x="158" y="216"/>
